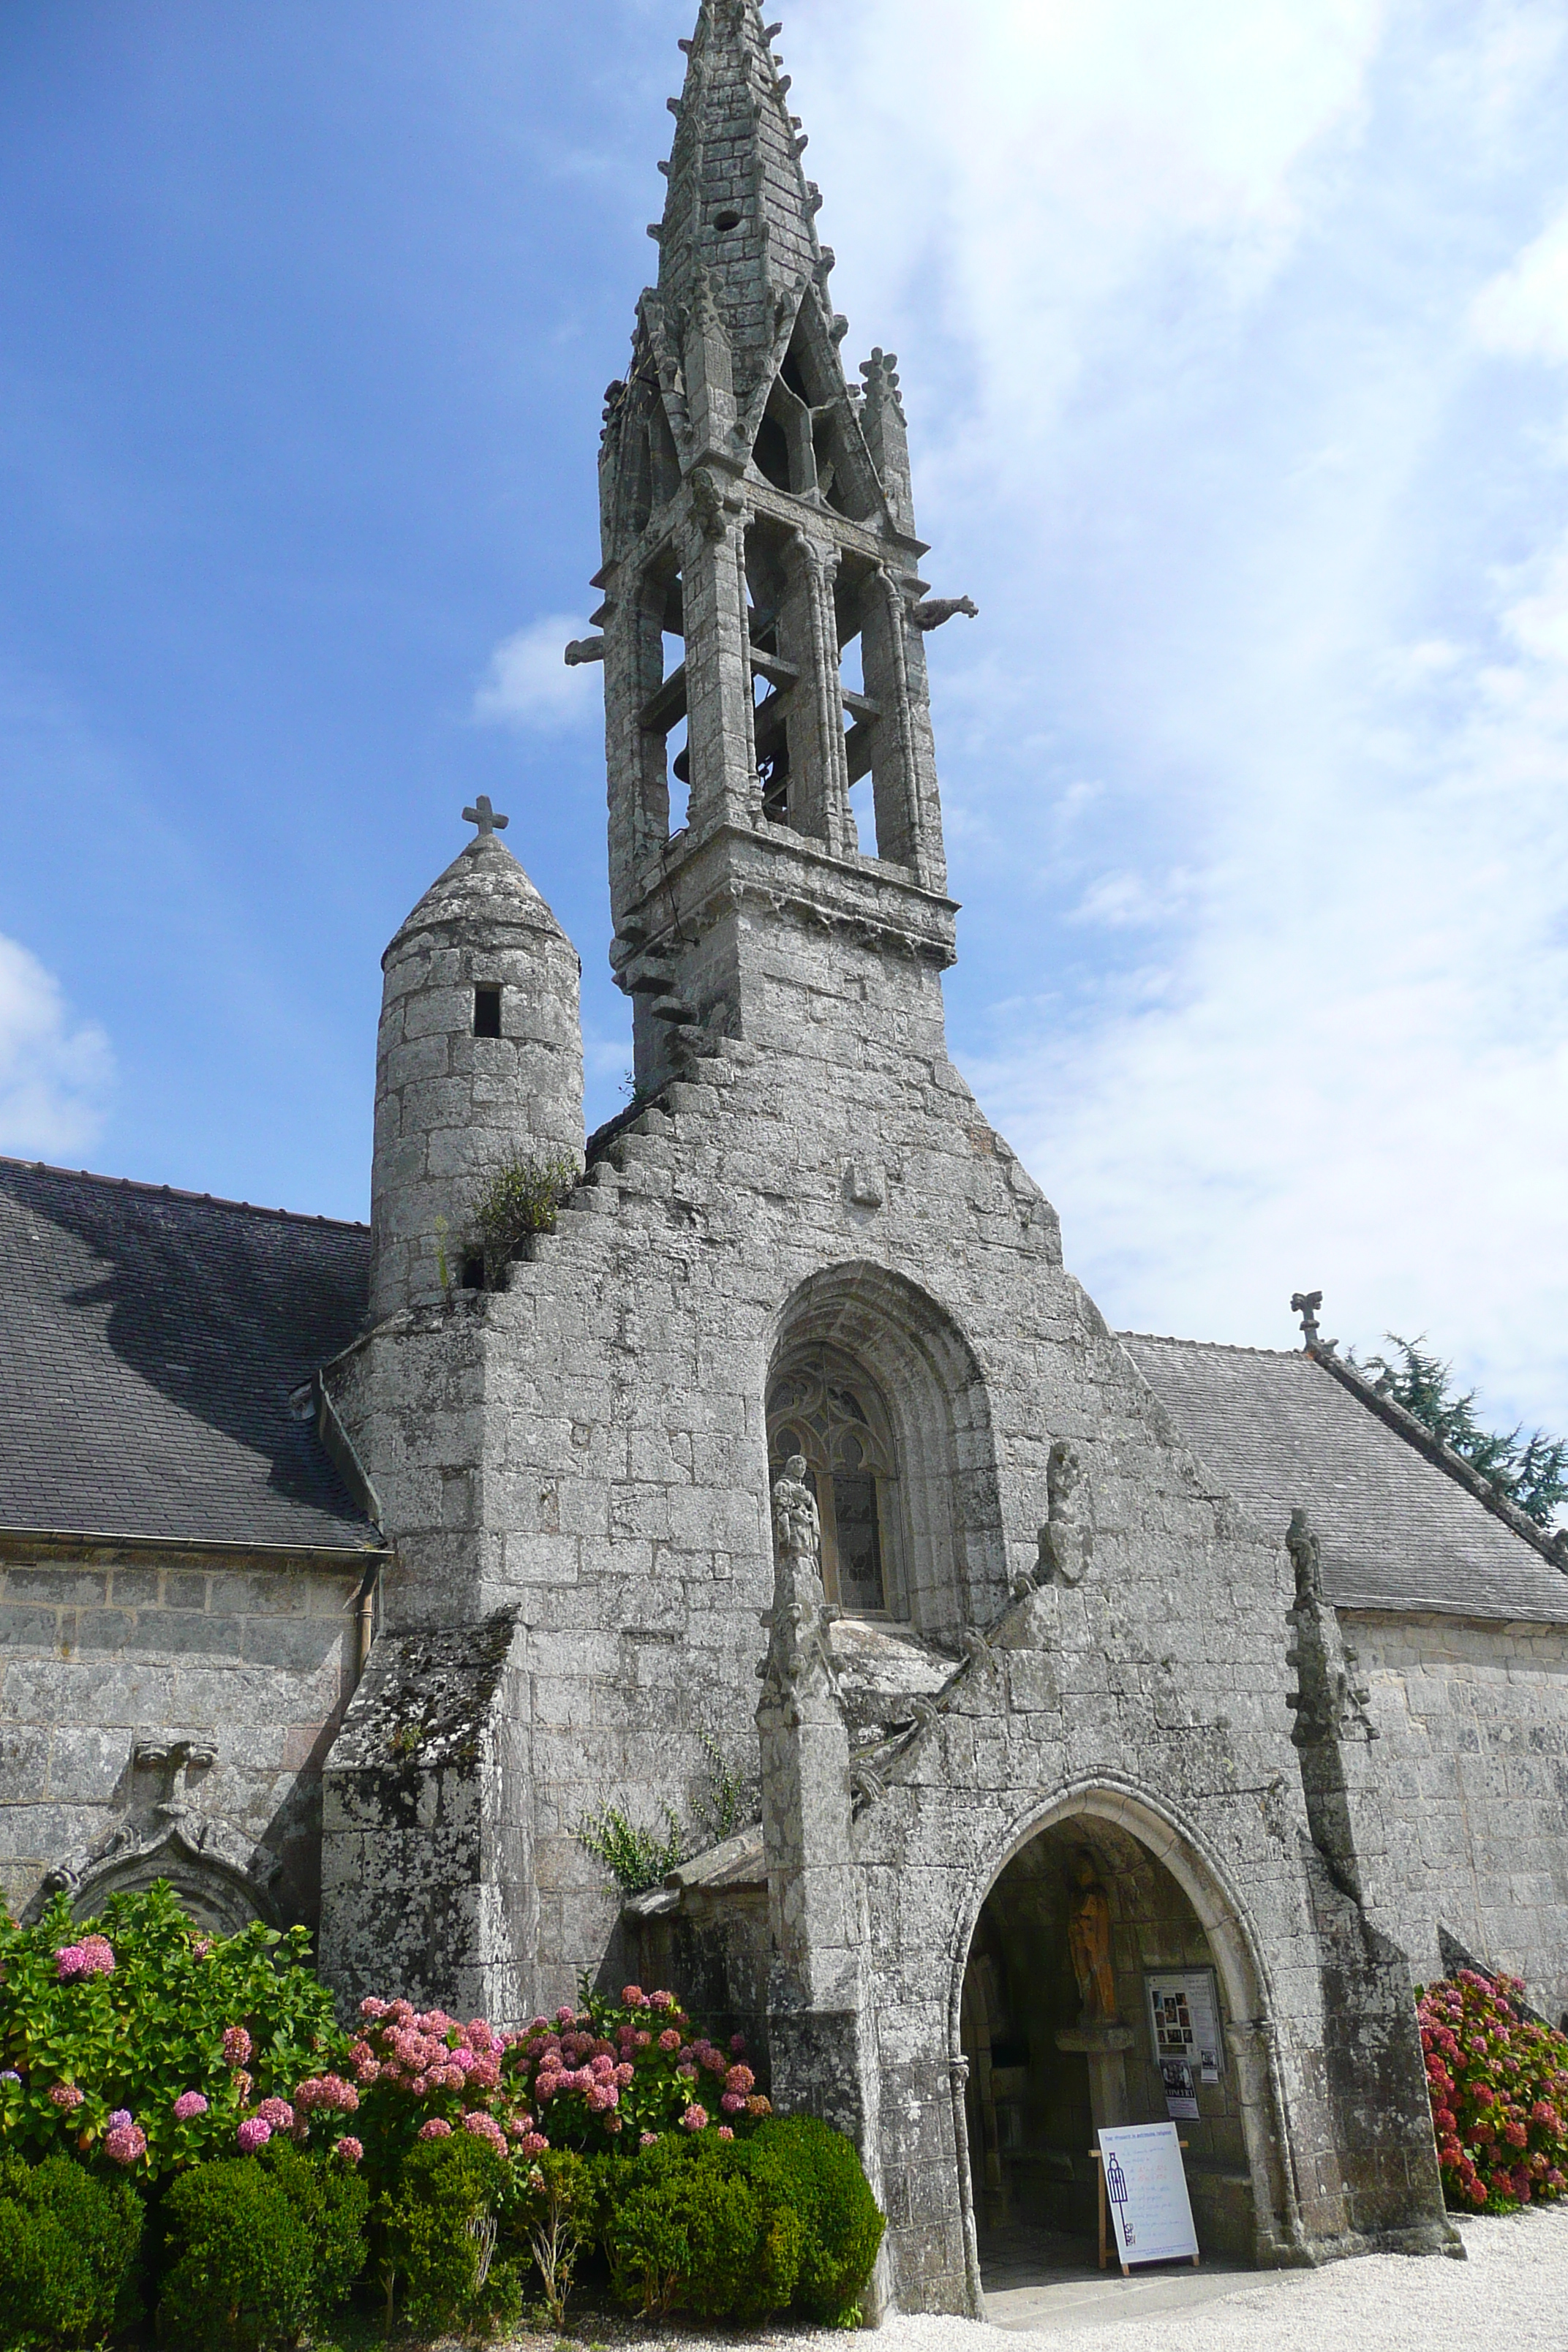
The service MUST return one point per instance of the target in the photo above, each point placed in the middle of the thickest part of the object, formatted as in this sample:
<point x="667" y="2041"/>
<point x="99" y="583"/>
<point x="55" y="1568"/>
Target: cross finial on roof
<point x="484" y="817"/>
<point x="1306" y="1302"/>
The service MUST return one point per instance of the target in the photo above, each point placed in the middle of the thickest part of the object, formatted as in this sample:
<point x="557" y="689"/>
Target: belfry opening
<point x="1092" y="1997"/>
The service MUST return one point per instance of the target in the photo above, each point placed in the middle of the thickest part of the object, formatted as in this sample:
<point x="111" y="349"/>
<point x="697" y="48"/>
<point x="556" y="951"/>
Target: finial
<point x="485" y="817"/>
<point x="1306" y="1302"/>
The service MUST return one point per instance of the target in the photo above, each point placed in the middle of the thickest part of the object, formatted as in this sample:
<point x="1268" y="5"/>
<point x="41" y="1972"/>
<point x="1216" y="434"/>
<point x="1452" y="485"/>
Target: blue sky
<point x="1235" y="343"/>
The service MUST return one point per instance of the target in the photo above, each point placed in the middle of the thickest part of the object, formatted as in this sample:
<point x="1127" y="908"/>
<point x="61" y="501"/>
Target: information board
<point x="1146" y="2189"/>
<point x="1183" y="2014"/>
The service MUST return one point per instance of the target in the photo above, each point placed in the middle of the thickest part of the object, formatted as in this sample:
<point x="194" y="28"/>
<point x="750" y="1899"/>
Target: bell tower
<point x="763" y="617"/>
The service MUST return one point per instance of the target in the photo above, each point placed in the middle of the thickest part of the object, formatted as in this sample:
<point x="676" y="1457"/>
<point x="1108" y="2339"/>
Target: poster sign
<point x="1184" y="2016"/>
<point x="1146" y="2189"/>
<point x="1181" y="2098"/>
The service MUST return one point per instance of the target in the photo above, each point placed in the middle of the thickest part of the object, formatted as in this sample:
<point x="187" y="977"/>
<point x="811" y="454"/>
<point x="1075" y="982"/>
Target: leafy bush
<point x="68" y="2245"/>
<point x="438" y="2231"/>
<point x="144" y="2040"/>
<point x="333" y="2203"/>
<point x="819" y="2173"/>
<point x="1498" y="2085"/>
<point x="688" y="2228"/>
<point x="241" y="2258"/>
<point x="636" y="1858"/>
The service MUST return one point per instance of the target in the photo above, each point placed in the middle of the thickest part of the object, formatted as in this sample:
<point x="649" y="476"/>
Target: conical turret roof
<point x="484" y="893"/>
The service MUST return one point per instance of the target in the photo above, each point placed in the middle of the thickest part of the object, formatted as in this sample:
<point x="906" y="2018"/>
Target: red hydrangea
<point x="1499" y="2084"/>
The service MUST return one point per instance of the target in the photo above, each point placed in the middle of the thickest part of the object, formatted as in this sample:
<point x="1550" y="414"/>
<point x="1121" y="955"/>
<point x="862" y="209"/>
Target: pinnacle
<point x="740" y="212"/>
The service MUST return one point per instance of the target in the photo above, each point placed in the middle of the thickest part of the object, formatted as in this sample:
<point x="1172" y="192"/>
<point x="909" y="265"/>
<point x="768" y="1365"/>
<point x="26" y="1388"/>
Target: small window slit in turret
<point x="487" y="1012"/>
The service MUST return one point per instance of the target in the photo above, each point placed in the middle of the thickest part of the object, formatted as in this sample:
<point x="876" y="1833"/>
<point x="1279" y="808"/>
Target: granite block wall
<point x="112" y="1657"/>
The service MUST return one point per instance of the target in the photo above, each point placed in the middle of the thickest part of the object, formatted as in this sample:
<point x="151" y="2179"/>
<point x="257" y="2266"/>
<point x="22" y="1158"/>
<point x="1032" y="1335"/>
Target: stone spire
<point x="761" y="587"/>
<point x="740" y="215"/>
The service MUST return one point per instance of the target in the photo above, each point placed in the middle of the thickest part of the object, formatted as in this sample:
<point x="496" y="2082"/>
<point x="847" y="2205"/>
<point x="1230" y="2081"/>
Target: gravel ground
<point x="1511" y="2292"/>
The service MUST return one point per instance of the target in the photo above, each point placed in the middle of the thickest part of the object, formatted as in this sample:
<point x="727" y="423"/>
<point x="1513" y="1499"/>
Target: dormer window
<point x="486" y="1010"/>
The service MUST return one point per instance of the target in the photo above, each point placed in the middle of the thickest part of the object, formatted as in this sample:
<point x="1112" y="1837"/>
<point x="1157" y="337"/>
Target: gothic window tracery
<point x="823" y="1406"/>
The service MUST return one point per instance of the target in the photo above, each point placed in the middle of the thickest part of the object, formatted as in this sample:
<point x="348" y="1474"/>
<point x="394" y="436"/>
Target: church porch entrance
<point x="1091" y="1998"/>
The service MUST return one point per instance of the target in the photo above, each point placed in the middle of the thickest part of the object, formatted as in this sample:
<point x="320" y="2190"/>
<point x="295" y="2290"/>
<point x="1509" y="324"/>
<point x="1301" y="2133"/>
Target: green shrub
<point x="819" y="2173"/>
<point x="521" y="1199"/>
<point x="241" y="2258"/>
<point x="439" y="2229"/>
<point x="68" y="2245"/>
<point x="333" y="2203"/>
<point x="687" y="2227"/>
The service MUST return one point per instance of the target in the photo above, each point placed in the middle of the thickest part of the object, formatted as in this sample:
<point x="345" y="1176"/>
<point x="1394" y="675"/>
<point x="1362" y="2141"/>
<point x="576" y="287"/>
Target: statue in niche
<point x="1066" y="1539"/>
<point x="797" y="1648"/>
<point x="1089" y="1942"/>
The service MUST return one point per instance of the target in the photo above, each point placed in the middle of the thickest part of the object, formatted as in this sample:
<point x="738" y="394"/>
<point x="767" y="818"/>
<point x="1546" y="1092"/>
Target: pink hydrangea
<point x="66" y="2096"/>
<point x="188" y="2105"/>
<point x="278" y="2112"/>
<point x="93" y="1957"/>
<point x="253" y="2132"/>
<point x="642" y="2041"/>
<point x="634" y="1997"/>
<point x="725" y="2133"/>
<point x="349" y="2148"/>
<point x="125" y="2143"/>
<point x="235" y="2045"/>
<point x="201" y="1947"/>
<point x="669" y="2039"/>
<point x="733" y="2103"/>
<point x="695" y="2118"/>
<point x="371" y="2007"/>
<point x="739" y="2078"/>
<point x="737" y="2045"/>
<point x="325" y="2092"/>
<point x="485" y="2128"/>
<point x="437" y="2128"/>
<point x="565" y="2016"/>
<point x="534" y="2144"/>
<point x="649" y="2139"/>
<point x="661" y="2001"/>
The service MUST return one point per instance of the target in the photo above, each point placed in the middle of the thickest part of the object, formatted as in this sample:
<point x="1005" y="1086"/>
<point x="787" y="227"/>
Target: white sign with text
<point x="1146" y="2189"/>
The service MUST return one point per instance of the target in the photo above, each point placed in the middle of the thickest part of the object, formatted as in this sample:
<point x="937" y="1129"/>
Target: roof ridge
<point x="175" y="1193"/>
<point x="1227" y="1347"/>
<point x="1425" y="1442"/>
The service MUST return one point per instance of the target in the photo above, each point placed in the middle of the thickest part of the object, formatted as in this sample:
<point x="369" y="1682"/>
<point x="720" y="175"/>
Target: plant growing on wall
<point x="638" y="1858"/>
<point x="521" y="1199"/>
<point x="1498" y="2085"/>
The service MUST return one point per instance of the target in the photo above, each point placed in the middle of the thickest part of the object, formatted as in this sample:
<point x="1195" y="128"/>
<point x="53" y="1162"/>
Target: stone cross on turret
<point x="485" y="817"/>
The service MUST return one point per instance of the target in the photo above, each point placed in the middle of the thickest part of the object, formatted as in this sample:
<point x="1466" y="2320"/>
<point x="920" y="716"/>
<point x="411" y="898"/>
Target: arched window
<point x="823" y="1406"/>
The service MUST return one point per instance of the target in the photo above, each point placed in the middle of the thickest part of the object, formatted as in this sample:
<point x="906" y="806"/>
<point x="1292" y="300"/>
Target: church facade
<point x="1127" y="1719"/>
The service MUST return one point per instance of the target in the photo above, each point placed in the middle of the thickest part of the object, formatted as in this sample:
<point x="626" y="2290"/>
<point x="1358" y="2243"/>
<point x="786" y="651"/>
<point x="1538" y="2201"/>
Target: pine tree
<point x="1531" y="1472"/>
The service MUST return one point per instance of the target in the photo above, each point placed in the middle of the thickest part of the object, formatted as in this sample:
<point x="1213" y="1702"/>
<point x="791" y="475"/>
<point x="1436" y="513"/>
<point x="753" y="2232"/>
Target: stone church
<point x="1130" y="1722"/>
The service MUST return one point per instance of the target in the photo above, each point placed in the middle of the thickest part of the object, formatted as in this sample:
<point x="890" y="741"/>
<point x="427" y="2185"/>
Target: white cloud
<point x="54" y="1073"/>
<point x="1523" y="311"/>
<point x="1195" y="311"/>
<point x="528" y="685"/>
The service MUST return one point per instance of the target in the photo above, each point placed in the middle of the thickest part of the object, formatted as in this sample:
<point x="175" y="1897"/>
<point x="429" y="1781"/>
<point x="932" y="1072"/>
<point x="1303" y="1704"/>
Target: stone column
<point x="718" y="731"/>
<point x="821" y="2030"/>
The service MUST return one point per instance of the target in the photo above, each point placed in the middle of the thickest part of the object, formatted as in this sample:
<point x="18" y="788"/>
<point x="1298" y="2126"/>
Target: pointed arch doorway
<point x="1090" y="1964"/>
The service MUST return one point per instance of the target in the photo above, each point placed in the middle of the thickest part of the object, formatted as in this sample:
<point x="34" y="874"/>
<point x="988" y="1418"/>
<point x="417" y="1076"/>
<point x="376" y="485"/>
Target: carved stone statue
<point x="1066" y="1539"/>
<point x="1089" y="1941"/>
<point x="1306" y="1557"/>
<point x="932" y="611"/>
<point x="797" y="1647"/>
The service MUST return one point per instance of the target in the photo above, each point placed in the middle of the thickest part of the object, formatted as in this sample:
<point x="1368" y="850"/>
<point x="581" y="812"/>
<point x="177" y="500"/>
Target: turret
<point x="479" y="1064"/>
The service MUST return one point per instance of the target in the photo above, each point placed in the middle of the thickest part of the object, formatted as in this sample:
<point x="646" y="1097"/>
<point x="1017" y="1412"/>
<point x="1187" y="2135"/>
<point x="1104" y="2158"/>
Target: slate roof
<point x="1396" y="1530"/>
<point x="148" y="1342"/>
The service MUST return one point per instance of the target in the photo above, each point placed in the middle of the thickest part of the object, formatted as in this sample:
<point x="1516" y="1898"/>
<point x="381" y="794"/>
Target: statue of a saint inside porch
<point x="1089" y="1942"/>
